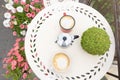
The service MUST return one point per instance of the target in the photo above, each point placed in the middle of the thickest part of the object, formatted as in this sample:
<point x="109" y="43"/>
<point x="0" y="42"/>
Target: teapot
<point x="65" y="39"/>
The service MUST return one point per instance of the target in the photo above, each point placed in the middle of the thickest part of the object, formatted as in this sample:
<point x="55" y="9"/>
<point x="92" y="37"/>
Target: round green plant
<point x="95" y="41"/>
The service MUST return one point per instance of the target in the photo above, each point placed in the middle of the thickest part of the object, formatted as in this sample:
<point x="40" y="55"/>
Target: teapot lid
<point x="64" y="39"/>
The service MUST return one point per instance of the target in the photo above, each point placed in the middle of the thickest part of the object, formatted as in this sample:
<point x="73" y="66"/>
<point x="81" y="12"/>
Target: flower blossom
<point x="24" y="66"/>
<point x="28" y="15"/>
<point x="23" y="32"/>
<point x="32" y="14"/>
<point x="6" y="0"/>
<point x="32" y="3"/>
<point x="13" y="64"/>
<point x="6" y="23"/>
<point x="22" y="26"/>
<point x="7" y="72"/>
<point x="27" y="5"/>
<point x="4" y="60"/>
<point x="15" y="22"/>
<point x="9" y="1"/>
<point x="24" y="75"/>
<point x="12" y="17"/>
<point x="7" y="15"/>
<point x="25" y="22"/>
<point x="13" y="10"/>
<point x="14" y="33"/>
<point x="30" y="71"/>
<point x="19" y="9"/>
<point x="35" y="78"/>
<point x="10" y="52"/>
<point x="23" y="2"/>
<point x="20" y="58"/>
<point x="18" y="40"/>
<point x="36" y="1"/>
<point x="37" y="9"/>
<point x="9" y="6"/>
<point x="16" y="1"/>
<point x="9" y="60"/>
<point x="26" y="9"/>
<point x="4" y="66"/>
<point x="22" y="48"/>
<point x="12" y="26"/>
<point x="32" y="7"/>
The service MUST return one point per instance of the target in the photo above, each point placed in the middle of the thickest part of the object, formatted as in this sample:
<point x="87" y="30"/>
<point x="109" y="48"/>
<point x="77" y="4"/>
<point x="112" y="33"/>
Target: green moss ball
<point x="95" y="41"/>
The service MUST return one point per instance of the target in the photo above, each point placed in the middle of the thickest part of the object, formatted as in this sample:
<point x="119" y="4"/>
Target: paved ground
<point x="6" y="39"/>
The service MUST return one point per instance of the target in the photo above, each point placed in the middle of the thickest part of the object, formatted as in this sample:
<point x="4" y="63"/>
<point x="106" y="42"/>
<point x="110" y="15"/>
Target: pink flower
<point x="28" y="15"/>
<point x="13" y="64"/>
<point x="9" y="60"/>
<point x="16" y="45"/>
<point x="36" y="1"/>
<point x="22" y="2"/>
<point x="19" y="58"/>
<point x="16" y="48"/>
<point x="9" y="54"/>
<point x="22" y="26"/>
<point x="32" y="3"/>
<point x="16" y="1"/>
<point x="23" y="39"/>
<point x="4" y="60"/>
<point x="35" y="78"/>
<point x="32" y="14"/>
<point x="14" y="33"/>
<point x="24" y="75"/>
<point x="32" y="7"/>
<point x="26" y="66"/>
<point x="11" y="26"/>
<point x="7" y="72"/>
<point x="41" y="1"/>
<point x="26" y="26"/>
<point x="12" y="17"/>
<point x="13" y="67"/>
<point x="37" y="10"/>
<point x="4" y="66"/>
<point x="22" y="48"/>
<point x="18" y="40"/>
<point x="27" y="5"/>
<point x="42" y="8"/>
<point x="22" y="64"/>
<point x="19" y="65"/>
<point x="26" y="9"/>
<point x="16" y="53"/>
<point x="30" y="71"/>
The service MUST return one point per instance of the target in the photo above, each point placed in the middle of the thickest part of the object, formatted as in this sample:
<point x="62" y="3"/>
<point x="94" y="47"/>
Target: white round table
<point x="40" y="46"/>
<point x="48" y="3"/>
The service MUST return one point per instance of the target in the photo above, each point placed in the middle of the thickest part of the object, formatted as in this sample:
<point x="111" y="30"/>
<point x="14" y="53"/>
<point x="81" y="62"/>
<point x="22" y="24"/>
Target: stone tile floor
<point x="7" y="40"/>
<point x="113" y="69"/>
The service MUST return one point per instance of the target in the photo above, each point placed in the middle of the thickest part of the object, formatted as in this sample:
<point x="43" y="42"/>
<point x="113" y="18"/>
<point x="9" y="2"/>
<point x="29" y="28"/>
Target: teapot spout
<point x="76" y="36"/>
